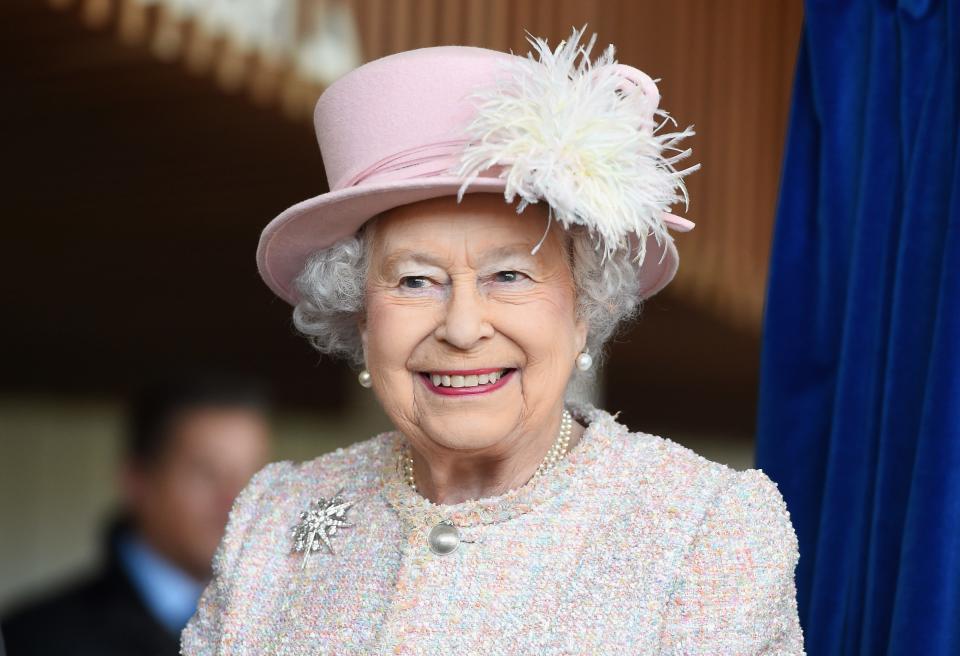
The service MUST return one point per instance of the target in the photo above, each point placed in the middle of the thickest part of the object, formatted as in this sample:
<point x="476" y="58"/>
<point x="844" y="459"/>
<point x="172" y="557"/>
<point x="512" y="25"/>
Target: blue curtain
<point x="859" y="418"/>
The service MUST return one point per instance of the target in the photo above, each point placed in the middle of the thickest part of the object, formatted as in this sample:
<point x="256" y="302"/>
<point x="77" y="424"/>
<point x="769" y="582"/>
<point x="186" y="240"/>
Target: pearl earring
<point x="584" y="361"/>
<point x="365" y="379"/>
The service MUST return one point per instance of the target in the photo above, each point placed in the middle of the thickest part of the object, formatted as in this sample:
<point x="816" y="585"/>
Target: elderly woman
<point x="500" y="516"/>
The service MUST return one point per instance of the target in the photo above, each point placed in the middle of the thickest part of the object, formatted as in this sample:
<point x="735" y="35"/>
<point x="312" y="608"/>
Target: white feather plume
<point x="582" y="138"/>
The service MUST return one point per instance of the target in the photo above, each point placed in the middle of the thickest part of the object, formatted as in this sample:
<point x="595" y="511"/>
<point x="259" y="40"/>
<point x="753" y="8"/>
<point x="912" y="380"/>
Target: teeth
<point x="466" y="381"/>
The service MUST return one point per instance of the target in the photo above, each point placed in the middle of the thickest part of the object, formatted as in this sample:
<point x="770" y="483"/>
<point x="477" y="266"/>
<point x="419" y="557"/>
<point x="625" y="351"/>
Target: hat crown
<point x="386" y="111"/>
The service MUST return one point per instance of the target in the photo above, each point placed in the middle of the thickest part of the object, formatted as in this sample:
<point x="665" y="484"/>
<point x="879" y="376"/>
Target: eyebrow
<point x="392" y="261"/>
<point x="504" y="252"/>
<point x="490" y="255"/>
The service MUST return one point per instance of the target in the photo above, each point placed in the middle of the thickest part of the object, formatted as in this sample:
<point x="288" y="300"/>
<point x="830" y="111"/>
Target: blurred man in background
<point x="192" y="445"/>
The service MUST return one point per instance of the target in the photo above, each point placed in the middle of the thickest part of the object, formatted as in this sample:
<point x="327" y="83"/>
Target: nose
<point x="464" y="322"/>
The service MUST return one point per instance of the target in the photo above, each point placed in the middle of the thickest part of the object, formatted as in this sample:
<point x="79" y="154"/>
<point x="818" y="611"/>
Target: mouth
<point x="459" y="383"/>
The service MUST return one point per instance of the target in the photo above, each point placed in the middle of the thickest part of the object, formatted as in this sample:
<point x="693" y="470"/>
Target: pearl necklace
<point x="556" y="453"/>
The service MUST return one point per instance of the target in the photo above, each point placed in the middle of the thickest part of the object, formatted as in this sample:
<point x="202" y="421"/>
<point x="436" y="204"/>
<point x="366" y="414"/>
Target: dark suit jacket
<point x="101" y="616"/>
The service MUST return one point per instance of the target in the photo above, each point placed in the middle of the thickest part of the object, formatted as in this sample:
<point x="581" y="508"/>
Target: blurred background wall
<point x="147" y="143"/>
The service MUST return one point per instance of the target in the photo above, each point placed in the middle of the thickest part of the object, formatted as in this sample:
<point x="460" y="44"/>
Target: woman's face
<point x="470" y="339"/>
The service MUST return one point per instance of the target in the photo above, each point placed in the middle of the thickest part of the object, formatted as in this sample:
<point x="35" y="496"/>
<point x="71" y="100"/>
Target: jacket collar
<point x="577" y="467"/>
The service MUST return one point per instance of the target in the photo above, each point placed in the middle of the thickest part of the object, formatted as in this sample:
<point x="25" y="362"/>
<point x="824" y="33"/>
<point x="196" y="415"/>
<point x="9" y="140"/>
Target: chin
<point x="469" y="428"/>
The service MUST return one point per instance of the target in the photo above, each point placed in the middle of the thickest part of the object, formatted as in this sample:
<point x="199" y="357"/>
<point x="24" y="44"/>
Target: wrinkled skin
<point x="455" y="287"/>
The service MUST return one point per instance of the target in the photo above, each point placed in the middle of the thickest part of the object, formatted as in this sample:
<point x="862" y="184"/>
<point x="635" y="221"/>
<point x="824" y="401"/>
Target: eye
<point x="508" y="276"/>
<point x="414" y="282"/>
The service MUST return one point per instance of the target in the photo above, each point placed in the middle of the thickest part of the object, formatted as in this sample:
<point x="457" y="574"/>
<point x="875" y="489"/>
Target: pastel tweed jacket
<point x="632" y="544"/>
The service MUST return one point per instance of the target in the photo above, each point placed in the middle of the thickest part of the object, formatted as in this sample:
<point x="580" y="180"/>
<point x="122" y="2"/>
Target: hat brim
<point x="319" y="222"/>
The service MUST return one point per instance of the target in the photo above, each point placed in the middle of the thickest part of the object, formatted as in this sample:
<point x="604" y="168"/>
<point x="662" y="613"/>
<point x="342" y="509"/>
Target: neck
<point x="449" y="477"/>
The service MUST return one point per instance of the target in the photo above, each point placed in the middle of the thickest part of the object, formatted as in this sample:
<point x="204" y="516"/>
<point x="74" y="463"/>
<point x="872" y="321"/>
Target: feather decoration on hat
<point x="585" y="137"/>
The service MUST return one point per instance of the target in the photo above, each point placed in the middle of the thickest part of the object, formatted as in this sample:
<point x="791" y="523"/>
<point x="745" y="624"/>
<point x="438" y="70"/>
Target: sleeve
<point x="735" y="592"/>
<point x="207" y="632"/>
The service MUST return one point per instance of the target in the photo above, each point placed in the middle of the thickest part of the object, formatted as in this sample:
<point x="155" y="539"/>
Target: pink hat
<point x="393" y="132"/>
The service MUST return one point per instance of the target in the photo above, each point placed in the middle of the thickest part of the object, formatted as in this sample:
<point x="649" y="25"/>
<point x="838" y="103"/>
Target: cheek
<point x="394" y="330"/>
<point x="544" y="329"/>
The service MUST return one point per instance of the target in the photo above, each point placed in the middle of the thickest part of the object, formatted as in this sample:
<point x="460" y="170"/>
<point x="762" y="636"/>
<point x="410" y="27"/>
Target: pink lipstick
<point x="467" y="381"/>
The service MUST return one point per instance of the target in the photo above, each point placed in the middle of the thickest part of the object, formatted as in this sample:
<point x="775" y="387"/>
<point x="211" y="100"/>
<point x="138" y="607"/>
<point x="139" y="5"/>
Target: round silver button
<point x="444" y="538"/>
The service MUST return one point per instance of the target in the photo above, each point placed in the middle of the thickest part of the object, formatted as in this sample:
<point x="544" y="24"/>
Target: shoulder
<point x="718" y="542"/>
<point x="752" y="510"/>
<point x="64" y="606"/>
<point x="282" y="489"/>
<point x="32" y="622"/>
<point x="736" y="497"/>
<point x="738" y="510"/>
<point x="261" y="516"/>
<point x="743" y="510"/>
<point x="85" y="617"/>
<point x="655" y="466"/>
<point x="746" y="534"/>
<point x="356" y="465"/>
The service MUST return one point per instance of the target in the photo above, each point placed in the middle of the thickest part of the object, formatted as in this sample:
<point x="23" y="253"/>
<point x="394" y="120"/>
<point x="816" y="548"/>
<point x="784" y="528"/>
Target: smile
<point x="477" y="381"/>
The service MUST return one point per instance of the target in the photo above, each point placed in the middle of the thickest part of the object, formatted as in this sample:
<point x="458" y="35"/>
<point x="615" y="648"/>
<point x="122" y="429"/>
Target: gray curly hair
<point x="332" y="283"/>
